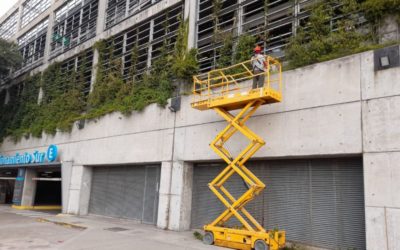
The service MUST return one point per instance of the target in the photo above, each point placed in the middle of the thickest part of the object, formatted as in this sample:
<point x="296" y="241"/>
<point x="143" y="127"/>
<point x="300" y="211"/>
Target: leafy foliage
<point x="10" y="57"/>
<point x="63" y="101"/>
<point x="185" y="63"/>
<point x="231" y="53"/>
<point x="111" y="93"/>
<point x="376" y="10"/>
<point x="61" y="104"/>
<point x="225" y="51"/>
<point x="311" y="44"/>
<point x="244" y="48"/>
<point x="322" y="39"/>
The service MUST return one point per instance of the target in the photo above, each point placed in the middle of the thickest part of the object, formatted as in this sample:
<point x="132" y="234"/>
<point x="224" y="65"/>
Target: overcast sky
<point x="5" y="5"/>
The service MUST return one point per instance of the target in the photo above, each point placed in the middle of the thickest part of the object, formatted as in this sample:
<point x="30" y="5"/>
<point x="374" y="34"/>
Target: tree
<point x="10" y="57"/>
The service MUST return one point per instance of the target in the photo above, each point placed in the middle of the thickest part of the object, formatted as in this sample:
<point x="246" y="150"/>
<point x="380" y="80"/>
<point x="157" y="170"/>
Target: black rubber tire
<point x="208" y="238"/>
<point x="260" y="245"/>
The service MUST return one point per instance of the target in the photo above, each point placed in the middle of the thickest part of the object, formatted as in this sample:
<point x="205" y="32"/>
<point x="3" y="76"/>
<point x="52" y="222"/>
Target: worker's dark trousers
<point x="258" y="81"/>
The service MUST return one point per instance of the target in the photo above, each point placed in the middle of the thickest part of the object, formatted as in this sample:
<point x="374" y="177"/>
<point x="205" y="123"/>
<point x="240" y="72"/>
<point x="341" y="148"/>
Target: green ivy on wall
<point x="111" y="93"/>
<point x="323" y="39"/>
<point x="63" y="102"/>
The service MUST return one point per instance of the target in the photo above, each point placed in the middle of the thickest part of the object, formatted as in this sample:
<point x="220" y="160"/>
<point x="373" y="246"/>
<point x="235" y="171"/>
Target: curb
<point x="36" y="207"/>
<point x="64" y="224"/>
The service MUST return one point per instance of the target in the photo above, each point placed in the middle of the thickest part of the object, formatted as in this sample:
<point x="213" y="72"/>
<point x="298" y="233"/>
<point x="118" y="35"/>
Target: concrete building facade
<point x="333" y="144"/>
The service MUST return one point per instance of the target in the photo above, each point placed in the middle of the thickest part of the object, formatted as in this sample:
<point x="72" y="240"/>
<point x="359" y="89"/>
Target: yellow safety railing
<point x="225" y="81"/>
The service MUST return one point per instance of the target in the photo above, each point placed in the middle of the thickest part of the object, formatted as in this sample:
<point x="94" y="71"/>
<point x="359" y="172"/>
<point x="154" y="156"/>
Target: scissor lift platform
<point x="239" y="100"/>
<point x="225" y="90"/>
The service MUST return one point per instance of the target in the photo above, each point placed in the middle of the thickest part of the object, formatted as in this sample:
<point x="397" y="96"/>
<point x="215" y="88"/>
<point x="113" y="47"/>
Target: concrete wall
<point x="340" y="107"/>
<point x="381" y="153"/>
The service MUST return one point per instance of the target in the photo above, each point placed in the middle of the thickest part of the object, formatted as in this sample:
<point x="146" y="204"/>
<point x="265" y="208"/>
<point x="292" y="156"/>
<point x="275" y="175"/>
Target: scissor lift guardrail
<point x="225" y="90"/>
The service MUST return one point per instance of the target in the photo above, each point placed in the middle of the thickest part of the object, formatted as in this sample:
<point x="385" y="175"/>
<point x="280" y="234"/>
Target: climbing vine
<point x="184" y="64"/>
<point x="62" y="100"/>
<point x="112" y="93"/>
<point x="323" y="39"/>
<point x="18" y="114"/>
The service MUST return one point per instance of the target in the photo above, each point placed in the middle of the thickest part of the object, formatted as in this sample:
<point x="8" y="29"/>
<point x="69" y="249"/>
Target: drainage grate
<point x="116" y="229"/>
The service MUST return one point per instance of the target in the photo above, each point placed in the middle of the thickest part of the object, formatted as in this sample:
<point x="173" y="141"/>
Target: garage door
<point x="126" y="192"/>
<point x="318" y="202"/>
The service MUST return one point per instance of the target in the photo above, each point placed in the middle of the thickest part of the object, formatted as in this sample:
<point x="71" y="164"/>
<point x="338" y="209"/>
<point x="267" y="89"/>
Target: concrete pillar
<point x="29" y="189"/>
<point x="381" y="154"/>
<point x="100" y="25"/>
<point x="78" y="190"/>
<point x="94" y="68"/>
<point x="150" y="49"/>
<point x="239" y="21"/>
<point x="101" y="17"/>
<point x="175" y="200"/>
<point x="19" y="18"/>
<point x="49" y="35"/>
<point x="7" y="99"/>
<point x="19" y="187"/>
<point x="40" y="95"/>
<point x="85" y="188"/>
<point x="382" y="200"/>
<point x="191" y="14"/>
<point x="66" y="170"/>
<point x="164" y="195"/>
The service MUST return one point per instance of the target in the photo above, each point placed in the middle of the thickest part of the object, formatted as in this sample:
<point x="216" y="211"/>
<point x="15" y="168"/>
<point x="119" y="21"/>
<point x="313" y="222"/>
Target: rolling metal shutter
<point x="318" y="202"/>
<point x="126" y="192"/>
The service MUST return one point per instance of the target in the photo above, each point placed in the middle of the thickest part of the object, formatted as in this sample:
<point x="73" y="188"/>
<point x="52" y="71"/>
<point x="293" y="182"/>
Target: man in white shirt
<point x="259" y="66"/>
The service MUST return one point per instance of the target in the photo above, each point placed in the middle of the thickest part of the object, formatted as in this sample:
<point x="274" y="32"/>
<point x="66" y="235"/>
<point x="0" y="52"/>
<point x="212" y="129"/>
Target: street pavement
<point x="22" y="229"/>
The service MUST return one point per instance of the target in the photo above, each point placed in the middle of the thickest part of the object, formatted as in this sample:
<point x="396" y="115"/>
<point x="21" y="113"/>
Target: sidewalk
<point x="39" y="230"/>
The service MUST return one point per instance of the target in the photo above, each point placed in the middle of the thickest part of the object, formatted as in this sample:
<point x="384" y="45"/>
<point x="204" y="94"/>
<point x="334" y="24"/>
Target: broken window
<point x="9" y="27"/>
<point x="133" y="50"/>
<point x="75" y="23"/>
<point x="33" y="8"/>
<point x="118" y="10"/>
<point x="32" y="44"/>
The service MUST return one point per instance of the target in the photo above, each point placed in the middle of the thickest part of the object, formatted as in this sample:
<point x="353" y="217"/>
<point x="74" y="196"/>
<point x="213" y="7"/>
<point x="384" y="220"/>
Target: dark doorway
<point x="48" y="188"/>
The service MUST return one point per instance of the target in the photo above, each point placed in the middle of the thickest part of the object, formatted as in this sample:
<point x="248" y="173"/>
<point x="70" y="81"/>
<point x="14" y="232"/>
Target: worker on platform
<point x="259" y="66"/>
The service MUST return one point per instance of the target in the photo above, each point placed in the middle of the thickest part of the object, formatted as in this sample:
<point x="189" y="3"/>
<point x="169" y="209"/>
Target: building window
<point x="138" y="46"/>
<point x="75" y="23"/>
<point x="273" y="25"/>
<point x="118" y="10"/>
<point x="81" y="67"/>
<point x="9" y="27"/>
<point x="33" y="8"/>
<point x="32" y="44"/>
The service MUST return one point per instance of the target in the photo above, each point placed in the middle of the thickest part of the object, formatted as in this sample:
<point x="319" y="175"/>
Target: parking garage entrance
<point x="48" y="187"/>
<point x="7" y="183"/>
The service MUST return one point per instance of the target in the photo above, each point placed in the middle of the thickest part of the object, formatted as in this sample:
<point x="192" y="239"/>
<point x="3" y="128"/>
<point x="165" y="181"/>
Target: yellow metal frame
<point x="215" y="92"/>
<point x="226" y="87"/>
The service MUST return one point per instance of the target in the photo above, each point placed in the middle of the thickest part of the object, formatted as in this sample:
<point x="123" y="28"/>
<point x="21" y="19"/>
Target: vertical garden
<point x="54" y="99"/>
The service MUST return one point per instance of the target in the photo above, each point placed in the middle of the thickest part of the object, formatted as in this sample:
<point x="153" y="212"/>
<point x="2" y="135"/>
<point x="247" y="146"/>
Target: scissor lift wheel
<point x="260" y="245"/>
<point x="208" y="238"/>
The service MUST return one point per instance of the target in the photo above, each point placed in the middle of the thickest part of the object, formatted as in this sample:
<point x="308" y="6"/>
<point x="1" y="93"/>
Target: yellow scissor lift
<point x="225" y="90"/>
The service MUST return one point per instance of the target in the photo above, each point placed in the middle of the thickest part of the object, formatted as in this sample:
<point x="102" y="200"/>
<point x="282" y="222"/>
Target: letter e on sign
<point x="52" y="153"/>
